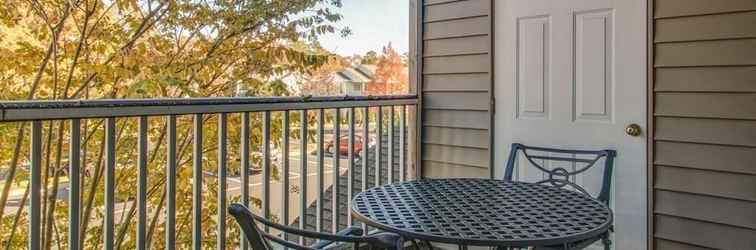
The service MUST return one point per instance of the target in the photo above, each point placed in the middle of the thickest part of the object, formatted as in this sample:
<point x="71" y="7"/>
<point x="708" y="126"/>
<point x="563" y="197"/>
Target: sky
<point x="374" y="24"/>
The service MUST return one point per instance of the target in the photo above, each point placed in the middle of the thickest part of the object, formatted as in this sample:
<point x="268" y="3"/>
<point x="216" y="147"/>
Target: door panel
<point x="572" y="74"/>
<point x="533" y="66"/>
<point x="593" y="100"/>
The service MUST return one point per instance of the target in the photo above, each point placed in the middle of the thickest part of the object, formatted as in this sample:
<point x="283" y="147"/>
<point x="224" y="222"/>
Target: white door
<point x="572" y="74"/>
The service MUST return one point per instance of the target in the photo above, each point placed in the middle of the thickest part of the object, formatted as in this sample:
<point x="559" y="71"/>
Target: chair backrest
<point x="260" y="240"/>
<point x="247" y="223"/>
<point x="560" y="176"/>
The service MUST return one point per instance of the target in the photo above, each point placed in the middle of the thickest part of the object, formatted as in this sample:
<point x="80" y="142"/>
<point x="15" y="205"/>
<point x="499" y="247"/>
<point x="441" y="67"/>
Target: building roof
<point x="357" y="74"/>
<point x="367" y="70"/>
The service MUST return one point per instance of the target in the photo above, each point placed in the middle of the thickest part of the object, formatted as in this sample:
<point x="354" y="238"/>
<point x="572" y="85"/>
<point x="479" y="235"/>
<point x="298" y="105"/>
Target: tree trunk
<point x="17" y="219"/>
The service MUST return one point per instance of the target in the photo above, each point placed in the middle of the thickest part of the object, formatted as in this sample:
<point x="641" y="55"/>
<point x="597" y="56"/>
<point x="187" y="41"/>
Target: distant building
<point x="353" y="80"/>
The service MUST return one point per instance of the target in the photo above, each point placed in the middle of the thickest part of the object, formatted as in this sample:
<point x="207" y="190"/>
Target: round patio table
<point x="482" y="212"/>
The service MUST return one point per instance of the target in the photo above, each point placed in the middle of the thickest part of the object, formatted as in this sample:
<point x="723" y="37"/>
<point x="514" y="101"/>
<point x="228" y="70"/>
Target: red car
<point x="344" y="145"/>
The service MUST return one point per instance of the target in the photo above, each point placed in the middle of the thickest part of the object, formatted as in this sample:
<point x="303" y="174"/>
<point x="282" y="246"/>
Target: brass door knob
<point x="633" y="130"/>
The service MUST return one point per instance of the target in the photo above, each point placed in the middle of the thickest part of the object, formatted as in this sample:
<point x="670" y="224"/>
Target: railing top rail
<point x="14" y="111"/>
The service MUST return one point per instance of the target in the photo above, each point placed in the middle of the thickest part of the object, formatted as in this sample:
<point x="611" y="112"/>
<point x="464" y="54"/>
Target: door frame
<point x="491" y="89"/>
<point x="650" y="122"/>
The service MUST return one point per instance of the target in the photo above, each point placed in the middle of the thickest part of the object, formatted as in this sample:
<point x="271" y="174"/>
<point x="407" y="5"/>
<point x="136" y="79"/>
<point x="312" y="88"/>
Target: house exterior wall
<point x="702" y="113"/>
<point x="703" y="79"/>
<point x="456" y="88"/>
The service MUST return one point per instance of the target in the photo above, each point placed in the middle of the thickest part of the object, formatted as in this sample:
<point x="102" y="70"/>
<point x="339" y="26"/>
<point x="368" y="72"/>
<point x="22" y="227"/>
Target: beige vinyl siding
<point x="456" y="119"/>
<point x="706" y="79"/>
<point x="704" y="117"/>
<point x="705" y="234"/>
<point x="461" y="137"/>
<point x="456" y="88"/>
<point x="443" y="170"/>
<point x="671" y="245"/>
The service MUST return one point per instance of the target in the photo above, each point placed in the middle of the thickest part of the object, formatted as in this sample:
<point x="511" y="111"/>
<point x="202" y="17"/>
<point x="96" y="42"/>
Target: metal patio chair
<point x="261" y="240"/>
<point x="560" y="177"/>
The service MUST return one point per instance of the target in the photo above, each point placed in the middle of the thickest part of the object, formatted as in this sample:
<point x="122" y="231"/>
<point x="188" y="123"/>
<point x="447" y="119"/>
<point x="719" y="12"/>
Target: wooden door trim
<point x="491" y="94"/>
<point x="650" y="124"/>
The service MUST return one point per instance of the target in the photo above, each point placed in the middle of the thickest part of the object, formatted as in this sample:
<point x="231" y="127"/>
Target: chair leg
<point x="399" y="243"/>
<point x="414" y="244"/>
<point x="428" y="244"/>
<point x="607" y="242"/>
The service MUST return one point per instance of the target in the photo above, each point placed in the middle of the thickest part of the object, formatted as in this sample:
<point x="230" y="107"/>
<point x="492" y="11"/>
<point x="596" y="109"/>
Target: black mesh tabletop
<point x="482" y="212"/>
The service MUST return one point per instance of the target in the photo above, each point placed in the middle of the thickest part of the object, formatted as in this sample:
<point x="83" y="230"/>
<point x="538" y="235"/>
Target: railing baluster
<point x="110" y="162"/>
<point x="378" y="144"/>
<point x="266" y="167"/>
<point x="402" y="160"/>
<point x="222" y="128"/>
<point x="74" y="175"/>
<point x="320" y="174"/>
<point x="170" y="220"/>
<point x="244" y="171"/>
<point x="365" y="146"/>
<point x="197" y="157"/>
<point x="302" y="172"/>
<point x="390" y="159"/>
<point x="35" y="181"/>
<point x="336" y="168"/>
<point x="350" y="170"/>
<point x="197" y="184"/>
<point x="142" y="184"/>
<point x="285" y="172"/>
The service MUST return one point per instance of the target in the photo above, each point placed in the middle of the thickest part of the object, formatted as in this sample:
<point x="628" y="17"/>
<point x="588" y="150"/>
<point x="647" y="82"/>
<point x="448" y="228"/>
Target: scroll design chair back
<point x="260" y="240"/>
<point x="559" y="176"/>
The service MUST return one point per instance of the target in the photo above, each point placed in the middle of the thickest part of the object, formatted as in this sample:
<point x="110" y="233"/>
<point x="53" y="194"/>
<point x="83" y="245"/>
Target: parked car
<point x="344" y="145"/>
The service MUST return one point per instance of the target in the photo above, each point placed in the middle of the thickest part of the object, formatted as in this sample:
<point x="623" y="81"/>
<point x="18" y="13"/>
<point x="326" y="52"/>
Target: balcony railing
<point x="380" y="161"/>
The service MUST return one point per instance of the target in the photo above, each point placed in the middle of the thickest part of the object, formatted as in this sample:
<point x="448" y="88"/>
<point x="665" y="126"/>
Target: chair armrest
<point x="349" y="231"/>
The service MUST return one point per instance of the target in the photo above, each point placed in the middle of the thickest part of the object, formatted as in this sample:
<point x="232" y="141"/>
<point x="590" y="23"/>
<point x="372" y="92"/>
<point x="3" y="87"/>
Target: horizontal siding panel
<point x="456" y="119"/>
<point x="673" y="8"/>
<point x="456" y="155"/>
<point x="706" y="79"/>
<point x="706" y="156"/>
<point x="457" y="46"/>
<point x="707" y="208"/>
<point x="711" y="105"/>
<point x="704" y="234"/>
<point x="456" y="64"/>
<point x="475" y="82"/>
<point x="456" y="137"/>
<point x="720" y="184"/>
<point x="662" y="244"/>
<point x="457" y="28"/>
<point x="456" y="10"/>
<point x="440" y="170"/>
<point x="713" y="131"/>
<point x="448" y="100"/>
<point x="433" y="2"/>
<point x="707" y="53"/>
<point x="704" y="58"/>
<point x="709" y="27"/>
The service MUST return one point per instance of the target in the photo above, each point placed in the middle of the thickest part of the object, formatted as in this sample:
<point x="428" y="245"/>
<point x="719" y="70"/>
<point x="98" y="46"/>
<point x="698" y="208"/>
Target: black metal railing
<point x="389" y="161"/>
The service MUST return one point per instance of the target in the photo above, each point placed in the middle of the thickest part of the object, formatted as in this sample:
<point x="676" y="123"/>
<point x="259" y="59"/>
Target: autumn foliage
<point x="98" y="49"/>
<point x="391" y="75"/>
